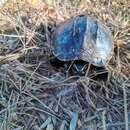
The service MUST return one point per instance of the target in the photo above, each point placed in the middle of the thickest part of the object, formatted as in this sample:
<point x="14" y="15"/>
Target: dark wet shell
<point x="68" y="38"/>
<point x="84" y="38"/>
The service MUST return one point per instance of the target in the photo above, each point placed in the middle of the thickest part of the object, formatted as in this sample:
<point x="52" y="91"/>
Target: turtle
<point x="82" y="37"/>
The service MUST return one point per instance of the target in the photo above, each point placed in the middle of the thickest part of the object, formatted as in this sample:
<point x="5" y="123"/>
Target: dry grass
<point x="35" y="95"/>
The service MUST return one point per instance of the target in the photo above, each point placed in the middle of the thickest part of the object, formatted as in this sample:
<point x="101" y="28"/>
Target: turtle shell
<point x="82" y="38"/>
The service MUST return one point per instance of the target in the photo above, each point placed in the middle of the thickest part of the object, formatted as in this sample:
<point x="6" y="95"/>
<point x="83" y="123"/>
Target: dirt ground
<point x="40" y="92"/>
